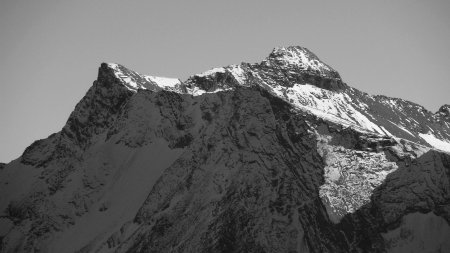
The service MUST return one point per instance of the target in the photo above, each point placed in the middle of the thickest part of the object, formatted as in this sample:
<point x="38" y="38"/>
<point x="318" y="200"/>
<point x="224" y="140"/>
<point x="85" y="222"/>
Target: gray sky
<point x="50" y="50"/>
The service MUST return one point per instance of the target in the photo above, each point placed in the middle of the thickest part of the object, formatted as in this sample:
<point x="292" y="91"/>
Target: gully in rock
<point x="276" y="156"/>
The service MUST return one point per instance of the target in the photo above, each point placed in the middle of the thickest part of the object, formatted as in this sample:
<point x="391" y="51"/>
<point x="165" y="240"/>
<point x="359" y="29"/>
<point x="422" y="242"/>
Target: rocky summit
<point x="276" y="156"/>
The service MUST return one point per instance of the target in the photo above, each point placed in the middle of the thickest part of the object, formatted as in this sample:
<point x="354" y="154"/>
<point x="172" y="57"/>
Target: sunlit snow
<point x="238" y="73"/>
<point x="131" y="83"/>
<point x="435" y="142"/>
<point x="163" y="81"/>
<point x="333" y="106"/>
<point x="211" y="71"/>
<point x="298" y="57"/>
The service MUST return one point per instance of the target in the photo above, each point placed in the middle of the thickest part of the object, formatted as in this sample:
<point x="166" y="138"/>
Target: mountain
<point x="276" y="156"/>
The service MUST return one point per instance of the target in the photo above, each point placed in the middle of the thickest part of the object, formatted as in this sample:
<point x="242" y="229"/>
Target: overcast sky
<point x="50" y="50"/>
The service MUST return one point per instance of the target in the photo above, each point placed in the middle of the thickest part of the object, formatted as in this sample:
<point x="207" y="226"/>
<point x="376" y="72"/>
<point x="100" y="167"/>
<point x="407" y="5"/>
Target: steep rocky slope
<point x="277" y="156"/>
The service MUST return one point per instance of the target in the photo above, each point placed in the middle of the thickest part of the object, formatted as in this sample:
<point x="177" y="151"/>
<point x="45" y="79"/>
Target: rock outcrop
<point x="277" y="156"/>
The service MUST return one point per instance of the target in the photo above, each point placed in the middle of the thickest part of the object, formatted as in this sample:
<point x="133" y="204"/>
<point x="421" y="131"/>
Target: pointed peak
<point x="300" y="58"/>
<point x="292" y="55"/>
<point x="292" y="50"/>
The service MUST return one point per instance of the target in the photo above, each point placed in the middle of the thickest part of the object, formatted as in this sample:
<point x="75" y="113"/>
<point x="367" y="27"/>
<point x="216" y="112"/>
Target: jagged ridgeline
<point x="276" y="156"/>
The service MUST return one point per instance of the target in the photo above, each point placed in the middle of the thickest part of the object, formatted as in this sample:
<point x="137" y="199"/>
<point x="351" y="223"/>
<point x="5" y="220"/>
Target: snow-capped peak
<point x="278" y="148"/>
<point x="301" y="58"/>
<point x="297" y="76"/>
<point x="135" y="81"/>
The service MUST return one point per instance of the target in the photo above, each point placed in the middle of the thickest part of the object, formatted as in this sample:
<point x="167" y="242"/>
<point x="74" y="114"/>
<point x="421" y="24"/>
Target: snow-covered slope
<point x="134" y="81"/>
<point x="277" y="156"/>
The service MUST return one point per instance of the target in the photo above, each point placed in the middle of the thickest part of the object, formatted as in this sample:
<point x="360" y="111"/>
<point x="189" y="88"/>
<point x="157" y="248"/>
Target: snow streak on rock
<point x="134" y="81"/>
<point x="276" y="156"/>
<point x="302" y="58"/>
<point x="435" y="142"/>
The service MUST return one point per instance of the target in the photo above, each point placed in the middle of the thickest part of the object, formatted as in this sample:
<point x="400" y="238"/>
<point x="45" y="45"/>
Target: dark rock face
<point x="236" y="204"/>
<point x="97" y="110"/>
<point x="212" y="82"/>
<point x="278" y="156"/>
<point x="92" y="115"/>
<point x="444" y="111"/>
<point x="401" y="193"/>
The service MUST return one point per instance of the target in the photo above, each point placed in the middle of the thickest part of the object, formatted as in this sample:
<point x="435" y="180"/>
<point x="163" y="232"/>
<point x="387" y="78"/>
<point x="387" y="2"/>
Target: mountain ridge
<point x="322" y="76"/>
<point x="275" y="156"/>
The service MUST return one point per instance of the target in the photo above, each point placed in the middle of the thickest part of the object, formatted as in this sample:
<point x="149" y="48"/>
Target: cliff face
<point x="277" y="156"/>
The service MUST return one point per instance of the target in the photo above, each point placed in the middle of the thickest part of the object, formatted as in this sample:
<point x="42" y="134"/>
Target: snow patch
<point x="130" y="84"/>
<point x="238" y="73"/>
<point x="435" y="142"/>
<point x="386" y="131"/>
<point x="404" y="129"/>
<point x="211" y="71"/>
<point x="329" y="105"/>
<point x="350" y="177"/>
<point x="135" y="81"/>
<point x="196" y="91"/>
<point x="163" y="81"/>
